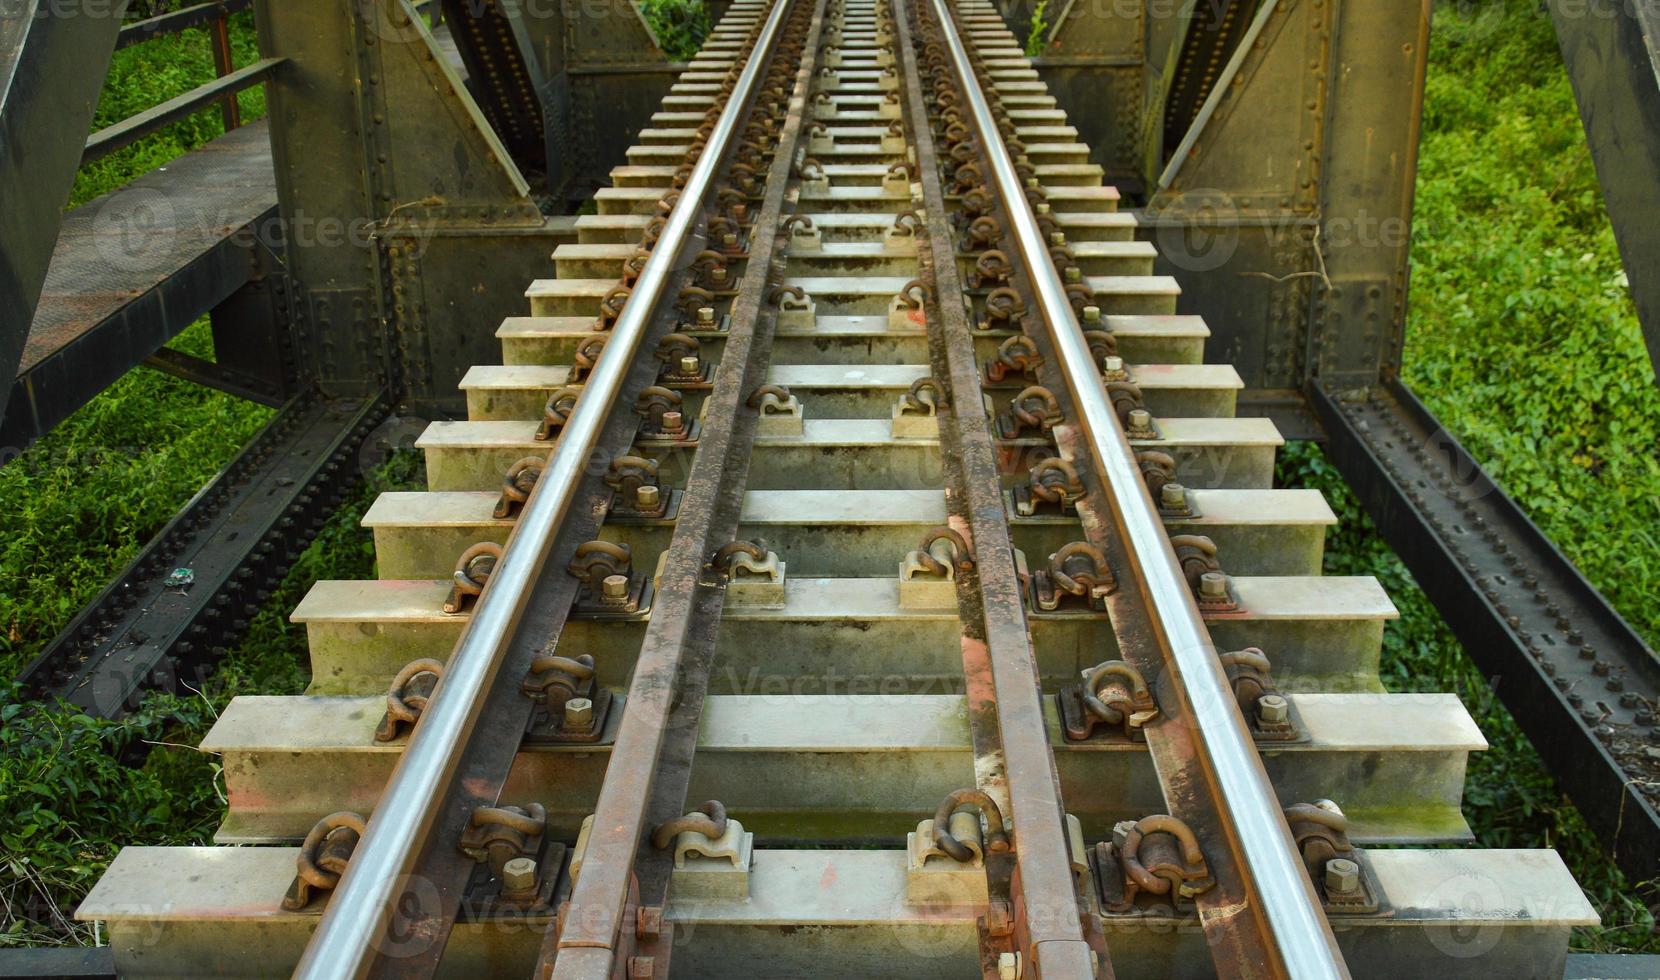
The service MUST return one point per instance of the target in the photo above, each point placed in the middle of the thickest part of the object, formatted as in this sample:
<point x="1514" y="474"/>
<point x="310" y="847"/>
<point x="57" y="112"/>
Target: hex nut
<point x="518" y="875"/>
<point x="646" y="496"/>
<point x="1273" y="709"/>
<point x="1342" y="877"/>
<point x="1008" y="966"/>
<point x="1173" y="496"/>
<point x="579" y="713"/>
<point x="1213" y="585"/>
<point x="615" y="586"/>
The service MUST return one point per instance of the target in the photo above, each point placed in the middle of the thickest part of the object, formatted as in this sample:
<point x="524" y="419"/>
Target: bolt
<point x="1173" y="496"/>
<point x="646" y="497"/>
<point x="614" y="587"/>
<point x="1008" y="966"/>
<point x="673" y="421"/>
<point x="518" y="875"/>
<point x="1073" y="275"/>
<point x="1213" y="585"/>
<point x="1273" y="709"/>
<point x="1092" y="316"/>
<point x="579" y="713"/>
<point x="1342" y="877"/>
<point x="1141" y="420"/>
<point x="1112" y="367"/>
<point x="690" y="364"/>
<point x="648" y="922"/>
<point x="706" y="317"/>
<point x="641" y="968"/>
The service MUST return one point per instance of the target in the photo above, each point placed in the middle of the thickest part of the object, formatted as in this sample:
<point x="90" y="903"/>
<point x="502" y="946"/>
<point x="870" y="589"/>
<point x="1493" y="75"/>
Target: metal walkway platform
<point x="136" y="266"/>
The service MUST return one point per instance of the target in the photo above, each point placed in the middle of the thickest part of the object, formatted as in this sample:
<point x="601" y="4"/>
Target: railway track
<point x="853" y="569"/>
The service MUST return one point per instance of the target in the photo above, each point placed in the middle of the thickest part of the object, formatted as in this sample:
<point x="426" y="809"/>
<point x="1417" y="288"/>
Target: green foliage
<point x="82" y="500"/>
<point x="1510" y="799"/>
<point x="680" y="25"/>
<point x="68" y="802"/>
<point x="147" y="74"/>
<point x="1039" y="28"/>
<point x="1523" y="340"/>
<point x="1522" y="334"/>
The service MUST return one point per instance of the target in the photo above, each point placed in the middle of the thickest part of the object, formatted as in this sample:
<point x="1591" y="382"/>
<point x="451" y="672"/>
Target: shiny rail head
<point x="1301" y="936"/>
<point x="350" y="939"/>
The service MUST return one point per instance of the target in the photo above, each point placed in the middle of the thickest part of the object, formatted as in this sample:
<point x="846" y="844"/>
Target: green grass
<point x="67" y="804"/>
<point x="1522" y="338"/>
<point x="150" y="73"/>
<point x="108" y="477"/>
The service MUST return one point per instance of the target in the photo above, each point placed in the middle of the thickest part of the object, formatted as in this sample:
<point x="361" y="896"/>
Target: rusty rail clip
<point x="637" y="495"/>
<point x="1211" y="586"/>
<point x="407" y="697"/>
<point x="516" y="485"/>
<point x="610" y="587"/>
<point x="1338" y="869"/>
<point x="1034" y="411"/>
<point x="571" y="706"/>
<point x="323" y="857"/>
<point x="518" y="864"/>
<point x="1051" y="484"/>
<point x="1269" y="714"/>
<point x="472" y="571"/>
<point x="1154" y="858"/>
<point x="997" y="838"/>
<point x="1115" y="698"/>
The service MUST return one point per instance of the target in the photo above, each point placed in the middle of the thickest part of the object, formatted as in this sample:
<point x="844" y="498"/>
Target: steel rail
<point x="363" y="902"/>
<point x="1250" y="812"/>
<point x="1005" y="703"/>
<point x="650" y="765"/>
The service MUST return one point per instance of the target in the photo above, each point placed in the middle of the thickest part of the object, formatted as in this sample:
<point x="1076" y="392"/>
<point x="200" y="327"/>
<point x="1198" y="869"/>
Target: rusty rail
<point x="348" y="939"/>
<point x="1277" y="926"/>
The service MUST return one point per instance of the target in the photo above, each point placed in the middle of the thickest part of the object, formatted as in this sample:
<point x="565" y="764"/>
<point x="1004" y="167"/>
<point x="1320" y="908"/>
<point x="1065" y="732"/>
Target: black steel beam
<point x="51" y="389"/>
<point x="1578" y="679"/>
<point x="216" y="376"/>
<point x="1210" y="40"/>
<point x="1612" y="52"/>
<point x="503" y="75"/>
<point x="171" y="612"/>
<point x="135" y="127"/>
<point x="53" y="58"/>
<point x="58" y="963"/>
